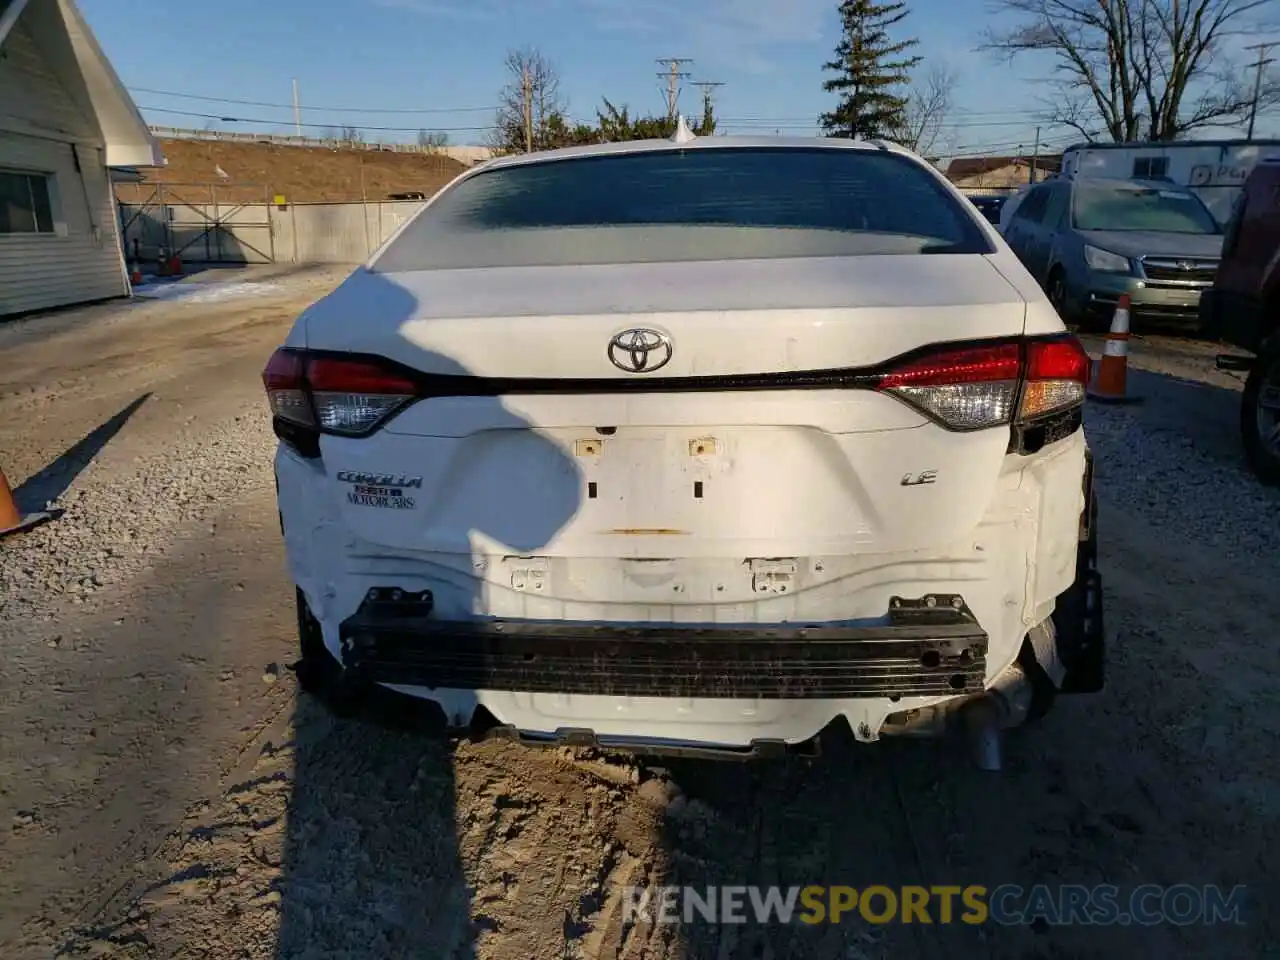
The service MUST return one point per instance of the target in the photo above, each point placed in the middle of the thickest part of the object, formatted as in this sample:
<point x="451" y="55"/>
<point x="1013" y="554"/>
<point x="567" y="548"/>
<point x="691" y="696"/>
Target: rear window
<point x="709" y="203"/>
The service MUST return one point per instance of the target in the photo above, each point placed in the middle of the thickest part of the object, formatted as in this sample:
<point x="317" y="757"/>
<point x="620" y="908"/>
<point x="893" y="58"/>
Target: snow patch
<point x="209" y="292"/>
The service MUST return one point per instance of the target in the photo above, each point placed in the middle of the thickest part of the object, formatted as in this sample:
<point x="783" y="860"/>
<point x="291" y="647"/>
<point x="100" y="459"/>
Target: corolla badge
<point x="640" y="350"/>
<point x="362" y="478"/>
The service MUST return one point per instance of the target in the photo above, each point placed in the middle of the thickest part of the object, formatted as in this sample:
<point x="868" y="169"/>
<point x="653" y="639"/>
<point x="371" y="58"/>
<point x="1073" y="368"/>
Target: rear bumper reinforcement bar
<point x="930" y="646"/>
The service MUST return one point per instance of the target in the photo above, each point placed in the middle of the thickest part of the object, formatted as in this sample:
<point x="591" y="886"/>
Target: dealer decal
<point x="385" y="491"/>
<point x="389" y="498"/>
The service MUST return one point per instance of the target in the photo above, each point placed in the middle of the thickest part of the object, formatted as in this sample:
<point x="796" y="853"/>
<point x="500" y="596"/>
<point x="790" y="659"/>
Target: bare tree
<point x="1138" y="69"/>
<point x="352" y="134"/>
<point x="528" y="103"/>
<point x="928" y="107"/>
<point x="433" y="139"/>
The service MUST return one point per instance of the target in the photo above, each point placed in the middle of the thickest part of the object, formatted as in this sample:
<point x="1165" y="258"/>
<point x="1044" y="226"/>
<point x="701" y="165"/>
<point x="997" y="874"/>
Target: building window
<point x="1151" y="168"/>
<point x="25" y="205"/>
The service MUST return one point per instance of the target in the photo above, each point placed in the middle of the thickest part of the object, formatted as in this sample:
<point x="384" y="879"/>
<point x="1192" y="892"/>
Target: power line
<point x="953" y="150"/>
<point x="793" y="121"/>
<point x="968" y="116"/>
<point x="286" y="123"/>
<point x="289" y="106"/>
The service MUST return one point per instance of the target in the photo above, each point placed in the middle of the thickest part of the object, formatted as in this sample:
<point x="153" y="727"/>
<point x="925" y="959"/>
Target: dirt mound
<point x="258" y="171"/>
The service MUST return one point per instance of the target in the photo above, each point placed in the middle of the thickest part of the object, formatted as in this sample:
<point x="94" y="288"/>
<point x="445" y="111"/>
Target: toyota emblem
<point x="640" y="350"/>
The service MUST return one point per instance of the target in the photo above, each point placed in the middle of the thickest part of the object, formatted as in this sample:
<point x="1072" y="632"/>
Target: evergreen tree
<point x="868" y="66"/>
<point x="708" y="125"/>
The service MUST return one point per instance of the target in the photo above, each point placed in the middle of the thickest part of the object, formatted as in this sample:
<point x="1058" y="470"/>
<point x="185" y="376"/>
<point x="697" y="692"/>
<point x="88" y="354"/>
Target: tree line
<point x="1121" y="70"/>
<point x="533" y="113"/>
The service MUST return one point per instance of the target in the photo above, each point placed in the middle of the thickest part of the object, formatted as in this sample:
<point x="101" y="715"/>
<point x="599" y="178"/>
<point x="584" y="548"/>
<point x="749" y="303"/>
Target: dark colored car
<point x="1243" y="310"/>
<point x="989" y="207"/>
<point x="1088" y="240"/>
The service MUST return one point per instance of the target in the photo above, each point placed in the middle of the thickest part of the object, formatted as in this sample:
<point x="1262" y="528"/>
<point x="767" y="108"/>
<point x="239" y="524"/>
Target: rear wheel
<point x="1260" y="413"/>
<point x="1057" y="291"/>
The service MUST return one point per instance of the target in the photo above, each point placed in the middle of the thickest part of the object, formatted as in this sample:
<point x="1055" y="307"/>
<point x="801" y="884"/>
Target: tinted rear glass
<point x="710" y="203"/>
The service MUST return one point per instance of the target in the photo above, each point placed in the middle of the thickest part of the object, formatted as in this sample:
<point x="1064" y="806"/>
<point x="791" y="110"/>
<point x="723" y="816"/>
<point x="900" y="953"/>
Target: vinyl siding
<point x="31" y="98"/>
<point x="38" y="271"/>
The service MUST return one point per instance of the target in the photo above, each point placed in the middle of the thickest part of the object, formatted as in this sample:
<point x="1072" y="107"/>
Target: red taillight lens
<point x="972" y="388"/>
<point x="349" y="396"/>
<point x="947" y="367"/>
<point x="285" y="380"/>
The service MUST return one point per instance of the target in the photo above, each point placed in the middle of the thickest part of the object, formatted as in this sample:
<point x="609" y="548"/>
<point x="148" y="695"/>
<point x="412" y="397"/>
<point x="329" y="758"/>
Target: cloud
<point x="742" y="34"/>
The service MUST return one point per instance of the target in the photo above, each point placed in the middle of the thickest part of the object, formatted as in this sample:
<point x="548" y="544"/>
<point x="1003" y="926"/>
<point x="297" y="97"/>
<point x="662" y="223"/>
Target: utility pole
<point x="673" y="75"/>
<point x="1263" y="49"/>
<point x="1035" y="156"/>
<point x="297" y="111"/>
<point x="708" y="95"/>
<point x="526" y="101"/>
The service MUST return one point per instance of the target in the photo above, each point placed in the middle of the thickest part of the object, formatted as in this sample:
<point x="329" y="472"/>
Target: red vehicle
<point x="1243" y="309"/>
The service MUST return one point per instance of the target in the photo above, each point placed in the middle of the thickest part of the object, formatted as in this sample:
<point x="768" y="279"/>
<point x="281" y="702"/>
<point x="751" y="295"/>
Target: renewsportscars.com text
<point x="1007" y="904"/>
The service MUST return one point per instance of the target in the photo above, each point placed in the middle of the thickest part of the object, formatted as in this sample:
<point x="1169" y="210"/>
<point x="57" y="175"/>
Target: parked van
<point x="1213" y="169"/>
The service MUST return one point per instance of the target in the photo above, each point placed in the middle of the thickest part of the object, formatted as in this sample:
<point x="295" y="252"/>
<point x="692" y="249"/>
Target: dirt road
<point x="166" y="793"/>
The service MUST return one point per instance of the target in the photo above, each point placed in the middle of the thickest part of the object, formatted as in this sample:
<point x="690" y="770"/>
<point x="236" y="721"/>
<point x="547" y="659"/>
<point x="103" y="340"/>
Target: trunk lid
<point x="616" y="472"/>
<point x="729" y="317"/>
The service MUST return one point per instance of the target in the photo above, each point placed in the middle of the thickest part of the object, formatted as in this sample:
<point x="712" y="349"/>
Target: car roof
<point x="1133" y="182"/>
<point x="1170" y="145"/>
<point x="696" y="143"/>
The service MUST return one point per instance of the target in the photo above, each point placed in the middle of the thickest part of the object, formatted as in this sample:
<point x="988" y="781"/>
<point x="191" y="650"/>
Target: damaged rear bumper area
<point x="932" y="646"/>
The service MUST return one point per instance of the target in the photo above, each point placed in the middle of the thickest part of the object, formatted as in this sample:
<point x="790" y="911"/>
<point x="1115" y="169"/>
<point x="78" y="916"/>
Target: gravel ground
<point x="169" y="794"/>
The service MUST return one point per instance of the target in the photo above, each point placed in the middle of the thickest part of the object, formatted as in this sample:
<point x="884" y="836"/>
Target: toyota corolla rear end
<point x="675" y="445"/>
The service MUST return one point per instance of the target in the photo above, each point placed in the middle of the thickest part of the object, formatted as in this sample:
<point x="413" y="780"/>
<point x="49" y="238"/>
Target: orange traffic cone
<point x="11" y="520"/>
<point x="1109" y="386"/>
<point x="135" y="274"/>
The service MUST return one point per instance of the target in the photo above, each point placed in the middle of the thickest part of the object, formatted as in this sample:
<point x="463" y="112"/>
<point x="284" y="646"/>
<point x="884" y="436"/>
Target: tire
<point x="1259" y="425"/>
<point x="318" y="673"/>
<point x="1078" y="620"/>
<point x="1056" y="290"/>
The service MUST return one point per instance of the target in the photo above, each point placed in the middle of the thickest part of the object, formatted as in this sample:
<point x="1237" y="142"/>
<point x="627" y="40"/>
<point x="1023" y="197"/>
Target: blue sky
<point x="442" y="59"/>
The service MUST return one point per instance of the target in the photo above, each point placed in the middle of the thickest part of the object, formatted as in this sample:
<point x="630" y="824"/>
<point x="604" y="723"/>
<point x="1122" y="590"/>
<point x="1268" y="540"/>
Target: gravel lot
<point x="168" y="794"/>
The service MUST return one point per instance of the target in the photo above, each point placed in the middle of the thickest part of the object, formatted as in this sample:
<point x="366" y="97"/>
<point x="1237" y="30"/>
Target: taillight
<point x="987" y="385"/>
<point x="312" y="393"/>
<point x="1056" y="375"/>
<point x="285" y="381"/>
<point x="966" y="389"/>
<point x="351" y="397"/>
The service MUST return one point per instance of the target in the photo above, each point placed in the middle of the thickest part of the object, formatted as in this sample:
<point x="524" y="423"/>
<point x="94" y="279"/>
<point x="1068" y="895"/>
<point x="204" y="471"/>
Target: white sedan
<point x="701" y="444"/>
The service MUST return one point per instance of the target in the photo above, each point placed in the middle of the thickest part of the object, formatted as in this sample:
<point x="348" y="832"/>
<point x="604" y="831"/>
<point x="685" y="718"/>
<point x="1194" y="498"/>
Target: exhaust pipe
<point x="1005" y="704"/>
<point x="982" y="719"/>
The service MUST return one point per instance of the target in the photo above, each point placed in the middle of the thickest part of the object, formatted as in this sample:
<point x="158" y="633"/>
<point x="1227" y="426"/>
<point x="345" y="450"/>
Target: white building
<point x="65" y="118"/>
<point x="1214" y="169"/>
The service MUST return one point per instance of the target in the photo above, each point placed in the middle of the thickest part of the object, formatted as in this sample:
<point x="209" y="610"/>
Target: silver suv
<point x="1089" y="240"/>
